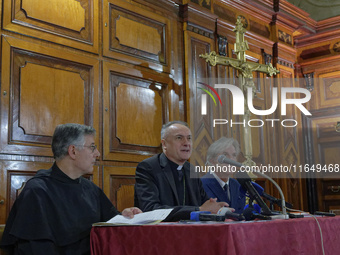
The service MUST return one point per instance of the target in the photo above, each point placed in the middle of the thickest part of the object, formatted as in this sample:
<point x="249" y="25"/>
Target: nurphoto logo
<point x="288" y="96"/>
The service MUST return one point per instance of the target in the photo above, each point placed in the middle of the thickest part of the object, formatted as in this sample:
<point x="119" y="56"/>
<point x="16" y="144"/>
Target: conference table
<point x="284" y="237"/>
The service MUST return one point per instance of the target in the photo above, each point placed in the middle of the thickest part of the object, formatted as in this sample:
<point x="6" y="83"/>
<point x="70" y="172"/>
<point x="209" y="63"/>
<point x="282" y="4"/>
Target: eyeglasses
<point x="92" y="147"/>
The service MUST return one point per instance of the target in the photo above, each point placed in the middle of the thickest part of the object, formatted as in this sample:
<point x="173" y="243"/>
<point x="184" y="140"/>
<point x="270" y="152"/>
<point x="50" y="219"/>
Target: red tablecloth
<point x="286" y="237"/>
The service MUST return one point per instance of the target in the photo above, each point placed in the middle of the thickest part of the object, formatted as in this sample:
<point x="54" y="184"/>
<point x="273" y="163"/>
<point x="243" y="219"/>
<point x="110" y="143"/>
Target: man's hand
<point x="130" y="212"/>
<point x="212" y="206"/>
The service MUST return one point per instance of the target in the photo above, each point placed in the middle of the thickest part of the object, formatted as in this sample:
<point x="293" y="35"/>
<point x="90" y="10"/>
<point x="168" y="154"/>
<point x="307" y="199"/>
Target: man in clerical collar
<point x="219" y="184"/>
<point x="163" y="181"/>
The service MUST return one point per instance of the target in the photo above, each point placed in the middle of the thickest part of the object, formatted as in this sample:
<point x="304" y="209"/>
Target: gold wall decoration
<point x="284" y="37"/>
<point x="203" y="3"/>
<point x="245" y="70"/>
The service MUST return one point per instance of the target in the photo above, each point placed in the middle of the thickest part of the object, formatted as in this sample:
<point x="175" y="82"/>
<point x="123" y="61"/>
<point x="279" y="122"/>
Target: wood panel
<point x="331" y="195"/>
<point x="321" y="139"/>
<point x="224" y="75"/>
<point x="199" y="71"/>
<point x="49" y="75"/>
<point x="42" y="88"/>
<point x="135" y="108"/>
<point x="258" y="134"/>
<point x="135" y="35"/>
<point x="328" y="89"/>
<point x="289" y="143"/>
<point x="149" y="50"/>
<point x="119" y="185"/>
<point x="326" y="141"/>
<point x="325" y="151"/>
<point x="2" y="229"/>
<point x="67" y="22"/>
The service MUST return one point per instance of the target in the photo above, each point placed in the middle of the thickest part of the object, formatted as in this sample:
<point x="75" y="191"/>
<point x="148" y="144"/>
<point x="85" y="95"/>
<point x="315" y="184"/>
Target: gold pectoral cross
<point x="245" y="70"/>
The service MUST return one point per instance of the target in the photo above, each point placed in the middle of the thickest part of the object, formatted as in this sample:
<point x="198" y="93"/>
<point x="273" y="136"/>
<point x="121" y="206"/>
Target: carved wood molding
<point x="198" y="16"/>
<point x="118" y="185"/>
<point x="267" y="58"/>
<point x="129" y="96"/>
<point x="316" y="64"/>
<point x="201" y="31"/>
<point x="142" y="88"/>
<point x="222" y="45"/>
<point x="284" y="55"/>
<point x="291" y="16"/>
<point x="49" y="77"/>
<point x="53" y="23"/>
<point x="284" y="62"/>
<point x="203" y="3"/>
<point x="168" y="5"/>
<point x="133" y="33"/>
<point x="261" y="11"/>
<point x="317" y="38"/>
<point x="321" y="145"/>
<point x="255" y="41"/>
<point x="330" y="23"/>
<point x="309" y="78"/>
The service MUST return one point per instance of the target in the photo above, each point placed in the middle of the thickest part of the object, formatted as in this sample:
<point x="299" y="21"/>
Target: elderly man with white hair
<point x="219" y="184"/>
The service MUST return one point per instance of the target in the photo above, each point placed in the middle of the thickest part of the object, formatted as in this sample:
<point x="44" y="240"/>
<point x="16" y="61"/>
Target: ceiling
<point x="319" y="9"/>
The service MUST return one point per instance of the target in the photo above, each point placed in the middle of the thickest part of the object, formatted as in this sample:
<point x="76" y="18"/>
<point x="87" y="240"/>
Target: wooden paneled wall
<point x="108" y="64"/>
<point x="127" y="67"/>
<point x="323" y="133"/>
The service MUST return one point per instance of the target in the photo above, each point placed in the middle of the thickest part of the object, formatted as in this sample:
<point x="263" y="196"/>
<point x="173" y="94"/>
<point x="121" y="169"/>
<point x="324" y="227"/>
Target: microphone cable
<point x="320" y="230"/>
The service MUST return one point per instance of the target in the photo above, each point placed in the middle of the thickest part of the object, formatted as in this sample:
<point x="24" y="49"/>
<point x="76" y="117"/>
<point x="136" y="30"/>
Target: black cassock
<point x="54" y="213"/>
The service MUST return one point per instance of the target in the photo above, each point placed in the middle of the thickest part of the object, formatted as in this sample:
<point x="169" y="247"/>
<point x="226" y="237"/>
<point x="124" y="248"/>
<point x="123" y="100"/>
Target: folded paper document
<point x="152" y="217"/>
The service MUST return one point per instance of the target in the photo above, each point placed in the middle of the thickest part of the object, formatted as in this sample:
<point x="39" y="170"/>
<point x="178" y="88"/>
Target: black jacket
<point x="156" y="189"/>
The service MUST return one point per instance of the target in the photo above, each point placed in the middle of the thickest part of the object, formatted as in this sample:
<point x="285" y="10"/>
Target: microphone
<point x="234" y="216"/>
<point x="258" y="188"/>
<point x="270" y="198"/>
<point x="228" y="214"/>
<point x="245" y="181"/>
<point x="249" y="214"/>
<point x="256" y="207"/>
<point x="224" y="160"/>
<point x="275" y="200"/>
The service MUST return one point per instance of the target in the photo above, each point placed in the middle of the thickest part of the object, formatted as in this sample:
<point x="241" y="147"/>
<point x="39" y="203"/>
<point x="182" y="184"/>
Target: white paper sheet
<point x="152" y="217"/>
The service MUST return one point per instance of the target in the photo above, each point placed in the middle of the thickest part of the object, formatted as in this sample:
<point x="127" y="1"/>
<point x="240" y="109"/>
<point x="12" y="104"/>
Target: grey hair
<point x="68" y="134"/>
<point x="166" y="126"/>
<point x="218" y="146"/>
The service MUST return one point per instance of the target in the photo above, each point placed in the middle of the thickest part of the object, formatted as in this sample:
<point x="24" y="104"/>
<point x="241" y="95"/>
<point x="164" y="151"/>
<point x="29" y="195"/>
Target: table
<point x="284" y="237"/>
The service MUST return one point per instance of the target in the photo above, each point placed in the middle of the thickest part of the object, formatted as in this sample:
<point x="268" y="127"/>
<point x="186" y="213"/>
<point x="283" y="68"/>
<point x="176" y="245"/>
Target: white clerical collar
<point x="179" y="168"/>
<point x="218" y="179"/>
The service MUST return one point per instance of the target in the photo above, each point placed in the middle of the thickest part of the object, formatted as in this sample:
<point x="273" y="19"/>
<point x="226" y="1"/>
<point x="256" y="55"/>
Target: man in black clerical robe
<point x="57" y="207"/>
<point x="164" y="181"/>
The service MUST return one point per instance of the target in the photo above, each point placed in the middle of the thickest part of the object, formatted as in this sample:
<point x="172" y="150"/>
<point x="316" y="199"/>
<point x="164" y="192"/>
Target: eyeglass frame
<point x="92" y="146"/>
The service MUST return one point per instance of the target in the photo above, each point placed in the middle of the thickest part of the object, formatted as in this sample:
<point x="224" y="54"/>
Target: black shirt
<point x="181" y="186"/>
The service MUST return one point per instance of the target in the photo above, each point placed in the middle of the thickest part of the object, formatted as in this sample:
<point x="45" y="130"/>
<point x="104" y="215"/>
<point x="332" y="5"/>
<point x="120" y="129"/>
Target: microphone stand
<point x="223" y="159"/>
<point x="283" y="202"/>
<point x="278" y="203"/>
